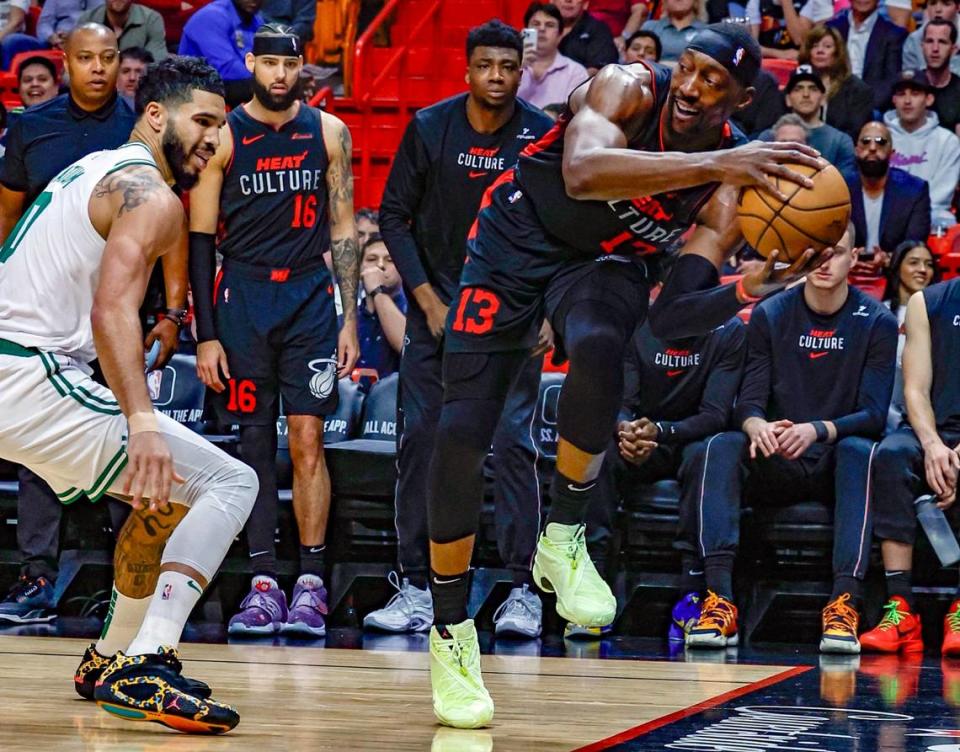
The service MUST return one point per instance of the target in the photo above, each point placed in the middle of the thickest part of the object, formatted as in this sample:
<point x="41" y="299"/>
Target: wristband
<point x="742" y="295"/>
<point x="143" y="423"/>
<point x="376" y="291"/>
<point x="822" y="433"/>
<point x="177" y="315"/>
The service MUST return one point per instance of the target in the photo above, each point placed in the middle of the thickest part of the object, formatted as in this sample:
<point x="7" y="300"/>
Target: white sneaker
<point x="520" y="615"/>
<point x="410" y="609"/>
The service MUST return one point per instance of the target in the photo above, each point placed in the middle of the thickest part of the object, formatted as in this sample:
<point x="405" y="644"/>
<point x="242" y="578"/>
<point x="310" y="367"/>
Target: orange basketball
<point x="813" y="217"/>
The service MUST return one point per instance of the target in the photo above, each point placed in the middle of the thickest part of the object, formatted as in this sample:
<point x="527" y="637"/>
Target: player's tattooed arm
<point x="131" y="188"/>
<point x="343" y="230"/>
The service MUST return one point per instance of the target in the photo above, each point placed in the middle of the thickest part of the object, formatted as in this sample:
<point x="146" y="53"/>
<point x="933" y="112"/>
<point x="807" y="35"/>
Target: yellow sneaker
<point x="840" y="622"/>
<point x="562" y="565"/>
<point x="459" y="697"/>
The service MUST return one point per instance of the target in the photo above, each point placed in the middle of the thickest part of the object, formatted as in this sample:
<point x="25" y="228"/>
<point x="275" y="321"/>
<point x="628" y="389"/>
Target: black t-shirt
<point x="943" y="313"/>
<point x="439" y="175"/>
<point x="946" y="103"/>
<point x="686" y="386"/>
<point x="590" y="43"/>
<point x="53" y="135"/>
<point x="804" y="366"/>
<point x="274" y="196"/>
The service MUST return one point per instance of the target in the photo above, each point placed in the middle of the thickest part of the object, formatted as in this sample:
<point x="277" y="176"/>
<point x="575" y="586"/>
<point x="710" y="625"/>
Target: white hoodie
<point x="931" y="153"/>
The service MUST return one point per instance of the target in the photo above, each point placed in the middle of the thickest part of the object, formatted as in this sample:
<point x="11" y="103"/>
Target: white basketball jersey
<point x="50" y="262"/>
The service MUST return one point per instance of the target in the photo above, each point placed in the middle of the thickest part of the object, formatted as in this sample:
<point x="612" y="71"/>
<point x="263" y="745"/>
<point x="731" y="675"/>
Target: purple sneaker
<point x="308" y="607"/>
<point x="685" y="614"/>
<point x="261" y="612"/>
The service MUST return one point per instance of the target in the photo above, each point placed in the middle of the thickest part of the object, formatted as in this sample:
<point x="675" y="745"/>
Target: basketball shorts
<point x="69" y="430"/>
<point x="279" y="331"/>
<point x="516" y="275"/>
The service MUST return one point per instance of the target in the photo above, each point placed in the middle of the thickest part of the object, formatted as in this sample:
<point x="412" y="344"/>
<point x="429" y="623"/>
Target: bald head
<point x="92" y="58"/>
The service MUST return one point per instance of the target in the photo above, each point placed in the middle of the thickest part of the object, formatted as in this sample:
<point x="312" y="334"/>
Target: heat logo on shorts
<point x="820" y="342"/>
<point x="324" y="377"/>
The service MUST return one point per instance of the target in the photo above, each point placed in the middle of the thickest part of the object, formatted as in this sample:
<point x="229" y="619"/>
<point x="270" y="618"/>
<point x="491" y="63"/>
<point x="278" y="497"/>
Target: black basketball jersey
<point x="645" y="225"/>
<point x="273" y="203"/>
<point x="943" y="312"/>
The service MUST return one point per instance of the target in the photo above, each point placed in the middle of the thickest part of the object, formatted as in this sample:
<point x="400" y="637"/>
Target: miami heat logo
<point x="324" y="376"/>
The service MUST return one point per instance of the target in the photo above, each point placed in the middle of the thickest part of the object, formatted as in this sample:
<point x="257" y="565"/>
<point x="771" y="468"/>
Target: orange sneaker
<point x="951" y="631"/>
<point x="840" y="621"/>
<point x="898" y="630"/>
<point x="717" y="625"/>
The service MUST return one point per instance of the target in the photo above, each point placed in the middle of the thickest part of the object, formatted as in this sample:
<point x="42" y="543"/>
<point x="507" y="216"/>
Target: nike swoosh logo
<point x="297" y="136"/>
<point x="814" y="356"/>
<point x="671" y="374"/>
<point x="195" y="586"/>
<point x="247" y="140"/>
<point x="438" y="581"/>
<point x="573" y="488"/>
<point x="474" y="174"/>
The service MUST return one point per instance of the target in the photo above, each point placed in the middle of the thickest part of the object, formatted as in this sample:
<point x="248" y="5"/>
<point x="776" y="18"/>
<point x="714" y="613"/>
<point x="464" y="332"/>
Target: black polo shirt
<point x="54" y="135"/>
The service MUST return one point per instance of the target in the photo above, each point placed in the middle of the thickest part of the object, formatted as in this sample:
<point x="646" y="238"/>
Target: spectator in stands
<point x="43" y="141"/>
<point x="222" y="33"/>
<point x="584" y="38"/>
<point x="548" y="75"/>
<point x="382" y="310"/>
<point x="638" y="14"/>
<point x="308" y="85"/>
<point x="135" y="25"/>
<point x="814" y="400"/>
<point x="849" y="102"/>
<point x="643" y="45"/>
<point x="299" y="14"/>
<point x="786" y="25"/>
<point x="889" y="205"/>
<point x="874" y="46"/>
<point x="618" y="15"/>
<point x="921" y="146"/>
<point x="939" y="46"/>
<point x="790" y="127"/>
<point x="59" y="17"/>
<point x="945" y="10"/>
<point x="765" y="108"/>
<point x="919" y="458"/>
<point x="676" y="395"/>
<point x="804" y="95"/>
<point x="37" y="80"/>
<point x="450" y="153"/>
<point x="912" y="269"/>
<point x="676" y="27"/>
<point x="13" y="40"/>
<point x="368" y="224"/>
<point x="133" y="64"/>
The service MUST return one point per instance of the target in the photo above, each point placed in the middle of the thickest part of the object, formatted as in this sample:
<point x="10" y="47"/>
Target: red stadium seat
<point x="54" y="56"/>
<point x="950" y="265"/>
<point x="781" y="69"/>
<point x="949" y="242"/>
<point x="875" y="287"/>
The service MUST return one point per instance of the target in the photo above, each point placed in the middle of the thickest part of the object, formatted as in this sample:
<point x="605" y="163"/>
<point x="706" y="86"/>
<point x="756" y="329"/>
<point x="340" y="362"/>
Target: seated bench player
<point x="676" y="394"/>
<point x="919" y="458"/>
<point x="812" y="406"/>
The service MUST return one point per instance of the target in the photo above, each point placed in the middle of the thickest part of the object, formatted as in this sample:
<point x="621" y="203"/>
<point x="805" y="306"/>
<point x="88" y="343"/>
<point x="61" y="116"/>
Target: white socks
<point x="170" y="606"/>
<point x="122" y="623"/>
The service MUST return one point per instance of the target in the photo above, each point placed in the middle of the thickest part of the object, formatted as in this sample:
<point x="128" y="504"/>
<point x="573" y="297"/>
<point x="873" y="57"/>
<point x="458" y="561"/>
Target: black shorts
<point x="279" y="330"/>
<point x="516" y="275"/>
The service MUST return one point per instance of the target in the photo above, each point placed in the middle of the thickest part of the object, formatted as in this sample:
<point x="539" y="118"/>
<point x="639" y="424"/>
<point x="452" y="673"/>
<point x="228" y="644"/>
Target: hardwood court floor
<point x="332" y="699"/>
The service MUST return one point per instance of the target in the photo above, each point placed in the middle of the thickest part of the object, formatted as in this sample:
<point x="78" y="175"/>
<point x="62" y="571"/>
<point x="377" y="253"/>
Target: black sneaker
<point x="92" y="665"/>
<point x="150" y="688"/>
<point x="30" y="601"/>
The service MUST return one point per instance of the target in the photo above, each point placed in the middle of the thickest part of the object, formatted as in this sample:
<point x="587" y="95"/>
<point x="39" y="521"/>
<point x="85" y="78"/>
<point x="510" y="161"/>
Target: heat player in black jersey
<point x="580" y="229"/>
<point x="280" y="188"/>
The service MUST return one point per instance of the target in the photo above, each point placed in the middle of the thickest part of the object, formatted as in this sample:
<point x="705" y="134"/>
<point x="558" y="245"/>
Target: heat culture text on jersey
<point x="821" y="340"/>
<point x="280" y="174"/>
<point x="672" y="358"/>
<point x="477" y="158"/>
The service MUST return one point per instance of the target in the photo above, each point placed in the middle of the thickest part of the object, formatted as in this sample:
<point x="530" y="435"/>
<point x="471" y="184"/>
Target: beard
<point x="274" y="102"/>
<point x="873" y="168"/>
<point x="177" y="158"/>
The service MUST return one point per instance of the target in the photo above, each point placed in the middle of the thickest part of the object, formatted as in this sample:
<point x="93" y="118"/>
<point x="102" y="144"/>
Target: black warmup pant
<point x="39" y="513"/>
<point x="835" y="474"/>
<point x="516" y="485"/>
<point x="898" y="479"/>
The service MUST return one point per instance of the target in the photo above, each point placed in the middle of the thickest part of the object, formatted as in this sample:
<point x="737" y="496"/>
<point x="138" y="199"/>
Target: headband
<point x="740" y="61"/>
<point x="283" y="45"/>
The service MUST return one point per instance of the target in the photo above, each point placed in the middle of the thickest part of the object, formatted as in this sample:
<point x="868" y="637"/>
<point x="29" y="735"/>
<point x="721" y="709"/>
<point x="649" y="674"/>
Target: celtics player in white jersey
<point x="72" y="276"/>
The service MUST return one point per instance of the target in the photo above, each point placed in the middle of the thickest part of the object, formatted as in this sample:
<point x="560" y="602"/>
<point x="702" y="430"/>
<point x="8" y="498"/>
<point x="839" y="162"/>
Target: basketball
<point x="813" y="217"/>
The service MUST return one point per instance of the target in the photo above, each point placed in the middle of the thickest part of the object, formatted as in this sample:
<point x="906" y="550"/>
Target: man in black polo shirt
<point x="585" y="39"/>
<point x="40" y="144"/>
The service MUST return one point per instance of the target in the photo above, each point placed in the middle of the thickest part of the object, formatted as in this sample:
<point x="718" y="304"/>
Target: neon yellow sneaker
<point x="563" y="565"/>
<point x="459" y="697"/>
